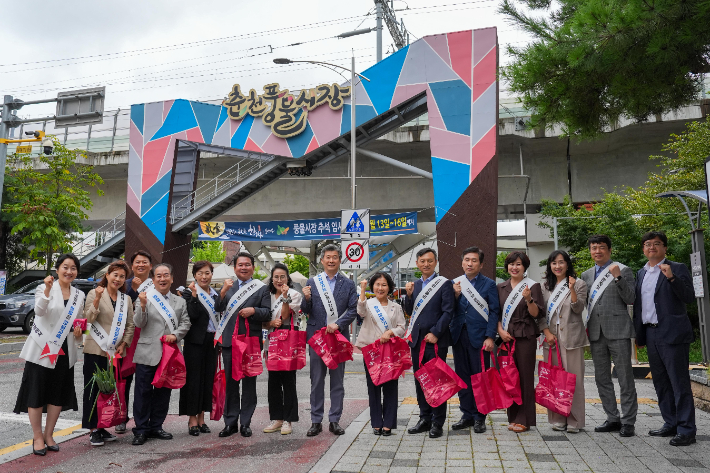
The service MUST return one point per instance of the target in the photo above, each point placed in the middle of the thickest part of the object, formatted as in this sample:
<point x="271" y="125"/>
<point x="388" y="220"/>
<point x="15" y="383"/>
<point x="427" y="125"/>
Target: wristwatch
<point x="618" y="278"/>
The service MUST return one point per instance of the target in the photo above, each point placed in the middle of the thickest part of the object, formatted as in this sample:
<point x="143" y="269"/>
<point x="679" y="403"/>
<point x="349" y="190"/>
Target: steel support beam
<point x="394" y="162"/>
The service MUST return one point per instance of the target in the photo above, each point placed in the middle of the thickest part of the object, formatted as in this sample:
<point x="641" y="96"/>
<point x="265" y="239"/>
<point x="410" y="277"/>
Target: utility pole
<point x="353" y="132"/>
<point x="378" y="6"/>
<point x="4" y="130"/>
<point x="399" y="33"/>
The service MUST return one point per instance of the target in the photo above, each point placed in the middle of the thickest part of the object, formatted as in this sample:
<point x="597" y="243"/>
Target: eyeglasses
<point x="655" y="244"/>
<point x="277" y="277"/>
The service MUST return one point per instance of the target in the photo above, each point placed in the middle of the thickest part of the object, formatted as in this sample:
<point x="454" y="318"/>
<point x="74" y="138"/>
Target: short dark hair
<point x="514" y="256"/>
<point x="473" y="249"/>
<point x="242" y="254"/>
<point x="424" y="251"/>
<point x="388" y="278"/>
<point x="289" y="282"/>
<point x="653" y="235"/>
<point x="550" y="278"/>
<point x="167" y="265"/>
<point x="70" y="256"/>
<point x="141" y="253"/>
<point x="331" y="247"/>
<point x="201" y="264"/>
<point x="599" y="239"/>
<point x="118" y="264"/>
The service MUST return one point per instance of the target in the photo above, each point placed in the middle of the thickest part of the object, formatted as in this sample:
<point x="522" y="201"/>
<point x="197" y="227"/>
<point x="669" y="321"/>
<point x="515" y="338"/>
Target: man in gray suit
<point x="150" y="405"/>
<point x="341" y="315"/>
<point x="611" y="291"/>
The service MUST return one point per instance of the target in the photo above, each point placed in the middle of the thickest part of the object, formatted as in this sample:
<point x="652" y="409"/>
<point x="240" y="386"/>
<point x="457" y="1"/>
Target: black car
<point x="17" y="309"/>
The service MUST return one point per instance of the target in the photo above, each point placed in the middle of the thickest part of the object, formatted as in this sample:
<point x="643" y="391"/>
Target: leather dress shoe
<point x="436" y="431"/>
<point x="377" y="431"/>
<point x="160" y="434"/>
<point x="681" y="440"/>
<point x="228" y="430"/>
<point x="204" y="429"/>
<point x="139" y="439"/>
<point x="627" y="430"/>
<point x="194" y="430"/>
<point x="663" y="432"/>
<point x="479" y="426"/>
<point x="421" y="427"/>
<point x="245" y="430"/>
<point x="336" y="429"/>
<point x="315" y="429"/>
<point x="462" y="424"/>
<point x="608" y="427"/>
<point x="386" y="432"/>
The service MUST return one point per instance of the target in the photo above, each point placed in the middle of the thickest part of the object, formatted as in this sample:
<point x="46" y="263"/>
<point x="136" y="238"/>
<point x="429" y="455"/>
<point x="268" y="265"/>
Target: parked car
<point x="17" y="309"/>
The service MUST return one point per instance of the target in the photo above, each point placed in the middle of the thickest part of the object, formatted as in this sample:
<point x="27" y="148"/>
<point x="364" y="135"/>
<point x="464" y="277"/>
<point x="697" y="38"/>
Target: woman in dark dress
<point x="48" y="379"/>
<point x="200" y="351"/>
<point x="521" y="304"/>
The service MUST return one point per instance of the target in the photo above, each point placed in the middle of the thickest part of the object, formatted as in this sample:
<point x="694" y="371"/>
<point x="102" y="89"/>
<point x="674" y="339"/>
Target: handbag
<point x="488" y="390"/>
<point x="171" y="372"/>
<point x="509" y="374"/>
<point x="438" y="381"/>
<point x="287" y="349"/>
<point x="333" y="348"/>
<point x="555" y="388"/>
<point x="219" y="392"/>
<point x="246" y="355"/>
<point x="111" y="408"/>
<point x="387" y="361"/>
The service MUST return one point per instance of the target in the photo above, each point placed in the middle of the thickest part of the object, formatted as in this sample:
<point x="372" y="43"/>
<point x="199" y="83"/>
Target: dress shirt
<point x="598" y="269"/>
<point x="331" y="282"/>
<point x="648" y="293"/>
<point x="427" y="280"/>
<point x="242" y="283"/>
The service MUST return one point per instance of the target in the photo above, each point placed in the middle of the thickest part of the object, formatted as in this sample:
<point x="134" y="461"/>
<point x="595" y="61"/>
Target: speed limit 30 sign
<point x="356" y="254"/>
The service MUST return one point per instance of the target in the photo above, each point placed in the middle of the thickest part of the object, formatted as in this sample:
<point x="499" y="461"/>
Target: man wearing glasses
<point x="663" y="288"/>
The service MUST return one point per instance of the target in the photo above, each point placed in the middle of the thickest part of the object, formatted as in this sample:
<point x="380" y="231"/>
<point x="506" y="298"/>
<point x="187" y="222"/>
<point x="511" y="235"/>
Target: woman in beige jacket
<point x="565" y="297"/>
<point x="383" y="398"/>
<point x="110" y="312"/>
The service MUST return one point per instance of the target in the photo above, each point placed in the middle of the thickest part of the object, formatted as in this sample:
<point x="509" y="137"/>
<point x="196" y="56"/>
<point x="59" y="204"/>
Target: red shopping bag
<point x="111" y="408"/>
<point x="81" y="323"/>
<point x="333" y="348"/>
<point x="438" y="381"/>
<point x="387" y="361"/>
<point x="509" y="372"/>
<point x="171" y="372"/>
<point x="488" y="390"/>
<point x="126" y="366"/>
<point x="246" y="354"/>
<point x="287" y="349"/>
<point x="555" y="388"/>
<point x="219" y="392"/>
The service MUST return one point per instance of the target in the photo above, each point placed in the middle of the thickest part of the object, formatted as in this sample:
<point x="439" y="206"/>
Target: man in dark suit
<point x="254" y="309"/>
<point x="430" y="324"/>
<point x="663" y="288"/>
<point x="473" y="326"/>
<point x="342" y="290"/>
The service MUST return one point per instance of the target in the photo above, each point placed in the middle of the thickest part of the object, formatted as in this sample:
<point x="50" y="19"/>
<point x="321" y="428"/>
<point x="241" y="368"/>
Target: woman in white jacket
<point x="51" y="351"/>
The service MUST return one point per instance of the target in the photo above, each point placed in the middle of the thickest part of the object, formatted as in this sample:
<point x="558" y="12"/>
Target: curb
<point x="25" y="451"/>
<point x="10" y="347"/>
<point x="333" y="455"/>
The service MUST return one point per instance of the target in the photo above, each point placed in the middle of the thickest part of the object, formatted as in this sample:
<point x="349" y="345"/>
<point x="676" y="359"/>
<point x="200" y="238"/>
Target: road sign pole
<point x="353" y="135"/>
<point x="4" y="129"/>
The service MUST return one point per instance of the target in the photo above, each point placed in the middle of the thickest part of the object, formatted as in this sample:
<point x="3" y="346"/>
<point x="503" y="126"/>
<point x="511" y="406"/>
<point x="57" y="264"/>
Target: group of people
<point x="470" y="314"/>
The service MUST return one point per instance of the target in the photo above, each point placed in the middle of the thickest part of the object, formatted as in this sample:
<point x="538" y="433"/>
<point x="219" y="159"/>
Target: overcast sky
<point x="151" y="50"/>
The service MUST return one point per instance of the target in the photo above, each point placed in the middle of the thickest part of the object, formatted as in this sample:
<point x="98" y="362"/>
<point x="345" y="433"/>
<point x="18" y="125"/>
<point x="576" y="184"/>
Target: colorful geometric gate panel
<point x="457" y="71"/>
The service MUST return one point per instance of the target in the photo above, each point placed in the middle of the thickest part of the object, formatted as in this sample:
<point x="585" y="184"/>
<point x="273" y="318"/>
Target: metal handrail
<point x="102" y="234"/>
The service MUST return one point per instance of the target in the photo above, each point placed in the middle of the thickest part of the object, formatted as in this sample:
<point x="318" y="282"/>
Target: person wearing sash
<point x="200" y="350"/>
<point x="382" y="319"/>
<point x="246" y="302"/>
<point x="141" y="267"/>
<point x="431" y="304"/>
<point x="158" y="313"/>
<point x="564" y="325"/>
<point x="611" y="290"/>
<point x="663" y="288"/>
<point x="283" y="398"/>
<point x="521" y="304"/>
<point x="50" y="353"/>
<point x="330" y="300"/>
<point x="110" y="312"/>
<point x="474" y="326"/>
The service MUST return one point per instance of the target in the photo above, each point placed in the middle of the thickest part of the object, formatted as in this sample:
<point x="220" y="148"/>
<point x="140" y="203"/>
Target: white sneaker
<point x="274" y="426"/>
<point x="559" y="427"/>
<point x="572" y="430"/>
<point x="286" y="428"/>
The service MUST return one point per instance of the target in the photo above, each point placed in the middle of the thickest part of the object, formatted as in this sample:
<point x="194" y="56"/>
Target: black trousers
<point x="383" y="402"/>
<point x="283" y="398"/>
<point x="436" y="415"/>
<point x="201" y="365"/>
<point x="467" y="361"/>
<point x="90" y="419"/>
<point x="129" y="382"/>
<point x="238" y="408"/>
<point x="151" y="404"/>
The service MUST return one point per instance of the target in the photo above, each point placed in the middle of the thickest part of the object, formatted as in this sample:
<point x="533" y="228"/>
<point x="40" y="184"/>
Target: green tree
<point x="297" y="263"/>
<point x="500" y="266"/>
<point x="49" y="199"/>
<point x="211" y="251"/>
<point x="259" y="274"/>
<point x="592" y="62"/>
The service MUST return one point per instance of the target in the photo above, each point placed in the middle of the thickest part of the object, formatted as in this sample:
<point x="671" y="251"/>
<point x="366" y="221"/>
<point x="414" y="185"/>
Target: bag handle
<point x="483" y="364"/>
<point x="423" y="347"/>
<point x="549" y="356"/>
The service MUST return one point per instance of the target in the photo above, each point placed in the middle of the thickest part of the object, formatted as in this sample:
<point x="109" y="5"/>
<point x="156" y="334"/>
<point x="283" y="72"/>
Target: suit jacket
<point x="522" y="324"/>
<point x="610" y="315"/>
<point x="370" y="332"/>
<point x="104" y="316"/>
<point x="476" y="326"/>
<point x="199" y="318"/>
<point x="572" y="331"/>
<point x="435" y="317"/>
<point x="149" y="349"/>
<point x="670" y="299"/>
<point x="259" y="300"/>
<point x="345" y="296"/>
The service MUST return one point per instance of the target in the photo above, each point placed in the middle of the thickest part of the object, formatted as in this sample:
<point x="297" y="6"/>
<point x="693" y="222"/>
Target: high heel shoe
<point x="41" y="452"/>
<point x="53" y="448"/>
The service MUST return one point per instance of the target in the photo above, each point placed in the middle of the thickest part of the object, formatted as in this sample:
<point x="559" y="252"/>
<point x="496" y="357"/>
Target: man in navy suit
<point x="474" y="326"/>
<point x="663" y="288"/>
<point x="342" y="290"/>
<point x="430" y="324"/>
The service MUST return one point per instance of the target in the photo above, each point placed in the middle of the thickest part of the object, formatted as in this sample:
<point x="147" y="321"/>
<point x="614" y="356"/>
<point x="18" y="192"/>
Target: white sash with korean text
<point x="424" y="297"/>
<point x="559" y="294"/>
<point x="162" y="305"/>
<point x="146" y="286"/>
<point x="208" y="303"/>
<point x="108" y="341"/>
<point x="51" y="340"/>
<point x="235" y="302"/>
<point x="326" y="295"/>
<point x="473" y="297"/>
<point x="598" y="287"/>
<point x="511" y="303"/>
<point x="378" y="313"/>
